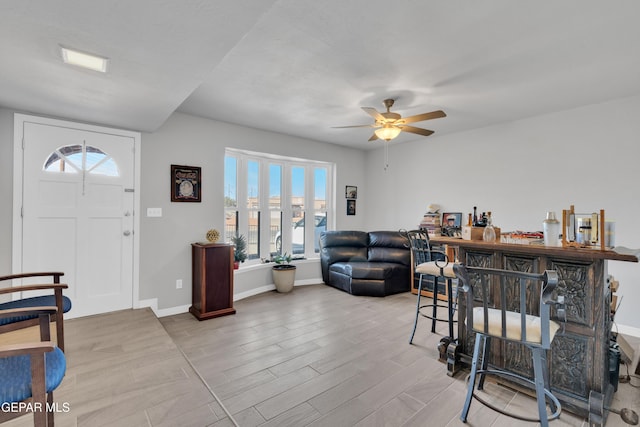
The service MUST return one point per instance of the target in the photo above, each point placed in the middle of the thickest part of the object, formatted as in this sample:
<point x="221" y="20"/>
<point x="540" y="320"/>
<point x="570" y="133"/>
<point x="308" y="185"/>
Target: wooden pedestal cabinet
<point x="212" y="280"/>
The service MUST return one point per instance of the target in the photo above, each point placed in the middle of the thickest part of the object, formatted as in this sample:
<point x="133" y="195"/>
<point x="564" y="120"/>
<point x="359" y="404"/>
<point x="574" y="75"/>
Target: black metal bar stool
<point x="514" y="307"/>
<point x="430" y="264"/>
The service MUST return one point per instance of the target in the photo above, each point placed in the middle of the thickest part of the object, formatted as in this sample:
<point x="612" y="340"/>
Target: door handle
<point x="126" y="233"/>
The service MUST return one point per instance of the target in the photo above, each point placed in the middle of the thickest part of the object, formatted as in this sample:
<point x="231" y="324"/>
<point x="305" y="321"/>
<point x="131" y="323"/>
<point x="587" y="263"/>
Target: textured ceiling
<point x="300" y="67"/>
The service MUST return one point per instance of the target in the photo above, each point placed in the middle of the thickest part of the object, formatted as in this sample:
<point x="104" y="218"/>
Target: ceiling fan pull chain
<point x="386" y="155"/>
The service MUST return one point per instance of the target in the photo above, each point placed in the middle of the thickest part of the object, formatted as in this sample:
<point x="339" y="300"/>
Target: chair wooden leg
<point x="38" y="390"/>
<point x="472" y="379"/>
<point x="415" y="323"/>
<point x="50" y="413"/>
<point x="59" y="320"/>
<point x="539" y="379"/>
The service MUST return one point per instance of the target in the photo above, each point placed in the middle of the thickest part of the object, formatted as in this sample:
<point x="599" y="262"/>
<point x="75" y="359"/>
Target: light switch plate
<point x="154" y="212"/>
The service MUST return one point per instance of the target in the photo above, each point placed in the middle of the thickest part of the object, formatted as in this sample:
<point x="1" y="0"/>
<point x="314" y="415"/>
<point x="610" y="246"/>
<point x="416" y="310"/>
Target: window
<point x="81" y="158"/>
<point x="268" y="199"/>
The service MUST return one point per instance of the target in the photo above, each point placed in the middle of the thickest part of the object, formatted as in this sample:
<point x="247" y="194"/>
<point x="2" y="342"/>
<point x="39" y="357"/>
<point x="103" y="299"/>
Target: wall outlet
<point x="179" y="284"/>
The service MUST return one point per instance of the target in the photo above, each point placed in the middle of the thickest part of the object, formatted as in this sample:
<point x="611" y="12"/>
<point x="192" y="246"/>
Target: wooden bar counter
<point x="579" y="356"/>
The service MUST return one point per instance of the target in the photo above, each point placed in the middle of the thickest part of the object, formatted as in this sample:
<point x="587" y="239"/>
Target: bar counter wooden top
<point x="586" y="254"/>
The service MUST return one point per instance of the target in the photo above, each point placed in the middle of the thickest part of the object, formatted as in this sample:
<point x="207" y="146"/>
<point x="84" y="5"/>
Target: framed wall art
<point x="186" y="183"/>
<point x="351" y="207"/>
<point x="351" y="192"/>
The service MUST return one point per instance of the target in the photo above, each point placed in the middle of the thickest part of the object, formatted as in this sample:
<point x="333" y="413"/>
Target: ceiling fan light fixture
<point x="388" y="132"/>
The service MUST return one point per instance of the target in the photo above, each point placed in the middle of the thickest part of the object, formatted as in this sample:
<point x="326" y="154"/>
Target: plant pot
<point x="236" y="265"/>
<point x="284" y="276"/>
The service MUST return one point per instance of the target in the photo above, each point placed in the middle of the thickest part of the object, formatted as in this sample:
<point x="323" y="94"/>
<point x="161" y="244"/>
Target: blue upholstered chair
<point x="515" y="307"/>
<point x="54" y="299"/>
<point x="433" y="265"/>
<point x="31" y="370"/>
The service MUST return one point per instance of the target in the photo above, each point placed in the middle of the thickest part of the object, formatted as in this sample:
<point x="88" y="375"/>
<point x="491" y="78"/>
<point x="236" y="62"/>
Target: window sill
<point x="260" y="265"/>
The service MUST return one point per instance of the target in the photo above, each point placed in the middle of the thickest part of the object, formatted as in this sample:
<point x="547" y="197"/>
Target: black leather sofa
<point x="376" y="263"/>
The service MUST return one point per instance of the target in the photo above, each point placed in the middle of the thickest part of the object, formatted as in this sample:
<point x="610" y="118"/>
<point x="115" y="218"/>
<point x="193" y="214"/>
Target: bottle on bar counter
<point x="489" y="233"/>
<point x="551" y="229"/>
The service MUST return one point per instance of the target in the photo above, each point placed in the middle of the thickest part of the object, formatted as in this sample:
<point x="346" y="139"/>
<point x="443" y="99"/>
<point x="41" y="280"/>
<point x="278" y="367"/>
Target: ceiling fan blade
<point x="354" y="126"/>
<point x="373" y="137"/>
<point x="374" y="113"/>
<point x="419" y="131"/>
<point x="426" y="116"/>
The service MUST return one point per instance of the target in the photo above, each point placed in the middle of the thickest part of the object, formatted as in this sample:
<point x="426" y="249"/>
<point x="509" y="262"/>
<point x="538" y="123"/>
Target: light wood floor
<point x="316" y="356"/>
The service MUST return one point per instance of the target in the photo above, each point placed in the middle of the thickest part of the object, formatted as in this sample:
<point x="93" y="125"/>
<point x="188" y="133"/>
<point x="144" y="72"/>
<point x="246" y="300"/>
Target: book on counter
<point x="430" y="220"/>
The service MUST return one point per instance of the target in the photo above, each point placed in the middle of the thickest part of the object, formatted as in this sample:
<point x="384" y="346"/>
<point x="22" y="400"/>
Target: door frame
<point x="19" y="121"/>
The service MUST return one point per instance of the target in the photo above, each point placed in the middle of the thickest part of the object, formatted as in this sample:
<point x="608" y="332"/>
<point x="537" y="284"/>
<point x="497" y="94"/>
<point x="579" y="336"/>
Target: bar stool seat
<point x="533" y="331"/>
<point x="436" y="268"/>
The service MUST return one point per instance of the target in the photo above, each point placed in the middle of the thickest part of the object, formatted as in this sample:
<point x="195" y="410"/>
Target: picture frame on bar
<point x="452" y="224"/>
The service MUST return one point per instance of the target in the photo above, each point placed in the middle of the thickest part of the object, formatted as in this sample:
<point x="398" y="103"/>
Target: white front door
<point x="78" y="212"/>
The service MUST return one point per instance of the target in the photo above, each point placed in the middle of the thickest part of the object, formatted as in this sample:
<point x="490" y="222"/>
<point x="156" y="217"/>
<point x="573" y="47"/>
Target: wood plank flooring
<point x="314" y="357"/>
<point x="123" y="369"/>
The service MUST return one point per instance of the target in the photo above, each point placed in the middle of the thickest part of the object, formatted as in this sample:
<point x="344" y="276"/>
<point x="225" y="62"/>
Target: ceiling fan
<point x="390" y="124"/>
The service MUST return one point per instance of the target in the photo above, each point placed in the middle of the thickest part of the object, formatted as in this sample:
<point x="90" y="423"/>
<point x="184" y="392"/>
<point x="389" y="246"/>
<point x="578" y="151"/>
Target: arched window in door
<point x="81" y="158"/>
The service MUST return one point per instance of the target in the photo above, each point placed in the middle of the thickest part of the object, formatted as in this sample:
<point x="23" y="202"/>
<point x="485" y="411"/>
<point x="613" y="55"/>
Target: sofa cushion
<point x="389" y="246"/>
<point x="354" y="239"/>
<point x="40" y="301"/>
<point x="15" y="375"/>
<point x="338" y="246"/>
<point x="365" y="270"/>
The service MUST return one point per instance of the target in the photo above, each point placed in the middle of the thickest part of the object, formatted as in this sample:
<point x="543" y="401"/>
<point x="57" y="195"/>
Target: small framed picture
<point x="451" y="224"/>
<point x="351" y="192"/>
<point x="351" y="207"/>
<point x="452" y="219"/>
<point x="186" y="183"/>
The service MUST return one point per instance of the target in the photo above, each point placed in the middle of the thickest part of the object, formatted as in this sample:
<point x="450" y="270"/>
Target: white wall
<point x="187" y="140"/>
<point x="587" y="157"/>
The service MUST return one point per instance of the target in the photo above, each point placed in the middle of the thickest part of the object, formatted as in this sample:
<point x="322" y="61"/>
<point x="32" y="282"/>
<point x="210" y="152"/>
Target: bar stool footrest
<point x="428" y="316"/>
<point x="553" y="400"/>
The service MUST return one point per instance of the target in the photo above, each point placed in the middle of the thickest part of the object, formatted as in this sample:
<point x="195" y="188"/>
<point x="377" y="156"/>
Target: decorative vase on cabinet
<point x="212" y="280"/>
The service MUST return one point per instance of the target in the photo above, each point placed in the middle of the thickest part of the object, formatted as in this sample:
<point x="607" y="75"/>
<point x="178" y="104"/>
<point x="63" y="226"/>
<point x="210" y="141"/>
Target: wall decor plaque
<point x="186" y="183"/>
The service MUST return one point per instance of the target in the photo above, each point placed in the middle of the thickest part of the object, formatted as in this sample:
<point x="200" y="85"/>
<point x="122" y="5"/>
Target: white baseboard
<point x="627" y="330"/>
<point x="252" y="292"/>
<point x="267" y="288"/>
<point x="151" y="303"/>
<point x="173" y="310"/>
<point x="306" y="282"/>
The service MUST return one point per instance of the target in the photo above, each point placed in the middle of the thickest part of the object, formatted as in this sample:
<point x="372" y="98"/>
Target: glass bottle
<point x="489" y="234"/>
<point x="551" y="229"/>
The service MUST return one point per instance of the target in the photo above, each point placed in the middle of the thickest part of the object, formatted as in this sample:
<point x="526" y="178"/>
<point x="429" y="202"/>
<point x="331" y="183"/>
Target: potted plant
<point x="284" y="273"/>
<point x="240" y="252"/>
